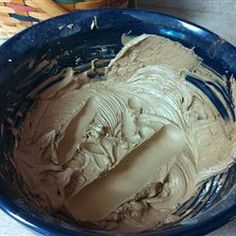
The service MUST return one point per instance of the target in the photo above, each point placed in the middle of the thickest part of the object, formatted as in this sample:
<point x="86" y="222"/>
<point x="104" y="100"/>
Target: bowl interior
<point x="72" y="40"/>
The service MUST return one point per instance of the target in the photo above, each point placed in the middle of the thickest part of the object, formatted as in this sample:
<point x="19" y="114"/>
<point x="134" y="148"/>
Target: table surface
<point x="222" y="24"/>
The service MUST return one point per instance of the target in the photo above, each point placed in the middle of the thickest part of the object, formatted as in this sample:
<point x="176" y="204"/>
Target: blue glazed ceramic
<point x="68" y="37"/>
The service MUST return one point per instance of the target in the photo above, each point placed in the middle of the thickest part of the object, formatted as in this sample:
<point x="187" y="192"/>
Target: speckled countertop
<point x="217" y="15"/>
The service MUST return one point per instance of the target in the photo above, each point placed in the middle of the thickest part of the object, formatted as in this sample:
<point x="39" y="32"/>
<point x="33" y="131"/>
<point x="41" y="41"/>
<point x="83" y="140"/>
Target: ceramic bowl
<point x="73" y="36"/>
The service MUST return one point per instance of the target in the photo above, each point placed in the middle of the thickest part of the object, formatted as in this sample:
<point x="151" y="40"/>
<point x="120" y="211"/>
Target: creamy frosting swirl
<point x="136" y="144"/>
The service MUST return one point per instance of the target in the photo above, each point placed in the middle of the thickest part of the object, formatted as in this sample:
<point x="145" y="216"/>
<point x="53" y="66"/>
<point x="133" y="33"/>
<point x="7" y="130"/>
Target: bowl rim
<point x="38" y="225"/>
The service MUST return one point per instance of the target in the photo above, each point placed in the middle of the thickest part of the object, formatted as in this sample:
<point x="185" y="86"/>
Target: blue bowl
<point x="67" y="38"/>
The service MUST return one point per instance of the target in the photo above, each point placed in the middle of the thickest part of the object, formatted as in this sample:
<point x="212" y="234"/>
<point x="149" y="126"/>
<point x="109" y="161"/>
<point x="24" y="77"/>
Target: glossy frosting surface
<point x="122" y="153"/>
